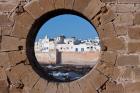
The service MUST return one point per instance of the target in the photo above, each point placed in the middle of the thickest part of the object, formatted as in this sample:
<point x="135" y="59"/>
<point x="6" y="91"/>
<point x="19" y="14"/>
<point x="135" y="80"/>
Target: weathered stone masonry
<point x="118" y="25"/>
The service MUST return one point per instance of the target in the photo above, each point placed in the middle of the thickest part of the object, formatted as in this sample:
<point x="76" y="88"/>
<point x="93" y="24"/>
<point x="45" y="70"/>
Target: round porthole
<point x="63" y="46"/>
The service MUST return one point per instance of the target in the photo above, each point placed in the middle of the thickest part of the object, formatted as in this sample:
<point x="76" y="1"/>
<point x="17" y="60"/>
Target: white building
<point x="67" y="44"/>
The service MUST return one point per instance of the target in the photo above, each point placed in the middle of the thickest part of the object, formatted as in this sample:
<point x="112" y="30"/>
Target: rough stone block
<point x="128" y="1"/>
<point x="107" y="17"/>
<point x="6" y="7"/>
<point x="51" y="88"/>
<point x="15" y="90"/>
<point x="132" y="87"/>
<point x="9" y="2"/>
<point x="12" y="43"/>
<point x="93" y="8"/>
<point x="96" y="21"/>
<point x="47" y="5"/>
<point x="59" y="4"/>
<point x="126" y="74"/>
<point x="106" y="31"/>
<point x="114" y="44"/>
<point x="105" y="68"/>
<point x="60" y="88"/>
<point x="22" y="44"/>
<point x="3" y="75"/>
<point x="3" y="87"/>
<point x="133" y="47"/>
<point x="109" y="57"/>
<point x="29" y="76"/>
<point x="40" y="86"/>
<point x="111" y="7"/>
<point x="122" y="20"/>
<point x="17" y="57"/>
<point x="96" y="78"/>
<point x="63" y="88"/>
<point x="5" y="63"/>
<point x="20" y="31"/>
<point x="109" y="1"/>
<point x="34" y="9"/>
<point x="137" y="74"/>
<point x="90" y="78"/>
<point x="125" y="8"/>
<point x="69" y="4"/>
<point x="111" y="87"/>
<point x="137" y="7"/>
<point x="6" y="30"/>
<point x="99" y="79"/>
<point x="126" y="60"/>
<point x="20" y="19"/>
<point x="66" y="88"/>
<point x="115" y="73"/>
<point x="137" y="18"/>
<point x="27" y="62"/>
<point x="121" y="30"/>
<point x="74" y="87"/>
<point x="0" y="31"/>
<point x="134" y="33"/>
<point x="14" y="74"/>
<point x="9" y="43"/>
<point x="80" y="5"/>
<point x="0" y="42"/>
<point x="3" y="84"/>
<point x="4" y="20"/>
<point x="26" y="90"/>
<point x="86" y="86"/>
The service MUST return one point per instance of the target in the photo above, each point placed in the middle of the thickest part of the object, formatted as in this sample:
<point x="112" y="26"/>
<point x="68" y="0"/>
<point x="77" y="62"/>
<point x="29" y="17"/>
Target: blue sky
<point x="68" y="25"/>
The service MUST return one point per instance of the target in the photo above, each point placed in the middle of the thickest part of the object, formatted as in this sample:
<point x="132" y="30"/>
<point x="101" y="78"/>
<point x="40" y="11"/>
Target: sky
<point x="69" y="26"/>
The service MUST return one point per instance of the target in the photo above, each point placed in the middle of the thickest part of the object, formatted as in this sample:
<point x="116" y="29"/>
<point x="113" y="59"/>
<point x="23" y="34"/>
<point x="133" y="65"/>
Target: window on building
<point x="76" y="49"/>
<point x="82" y="49"/>
<point x="69" y="33"/>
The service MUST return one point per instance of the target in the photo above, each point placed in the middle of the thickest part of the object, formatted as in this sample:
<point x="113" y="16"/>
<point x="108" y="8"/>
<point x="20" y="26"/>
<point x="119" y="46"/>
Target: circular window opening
<point x="65" y="47"/>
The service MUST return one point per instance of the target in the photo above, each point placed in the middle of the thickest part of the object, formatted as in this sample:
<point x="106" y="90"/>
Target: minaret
<point x="46" y="37"/>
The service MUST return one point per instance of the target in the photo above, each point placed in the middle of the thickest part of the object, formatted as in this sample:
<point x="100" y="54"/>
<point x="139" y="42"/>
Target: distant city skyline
<point x="69" y="26"/>
<point x="69" y="37"/>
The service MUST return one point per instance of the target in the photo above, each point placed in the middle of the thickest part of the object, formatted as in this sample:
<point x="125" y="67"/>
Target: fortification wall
<point x="85" y="58"/>
<point x="75" y="58"/>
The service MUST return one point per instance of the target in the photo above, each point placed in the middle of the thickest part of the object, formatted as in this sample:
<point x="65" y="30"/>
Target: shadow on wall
<point x="59" y="57"/>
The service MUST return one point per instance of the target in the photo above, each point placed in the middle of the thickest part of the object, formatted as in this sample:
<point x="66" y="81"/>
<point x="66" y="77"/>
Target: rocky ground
<point x="65" y="73"/>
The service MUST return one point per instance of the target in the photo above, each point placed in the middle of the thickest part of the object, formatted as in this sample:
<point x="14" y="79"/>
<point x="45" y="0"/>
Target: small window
<point x="76" y="49"/>
<point x="87" y="47"/>
<point x="82" y="49"/>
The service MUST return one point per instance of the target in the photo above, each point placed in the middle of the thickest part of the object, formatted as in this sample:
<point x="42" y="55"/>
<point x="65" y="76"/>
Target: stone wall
<point x="75" y="58"/>
<point x="118" y="25"/>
